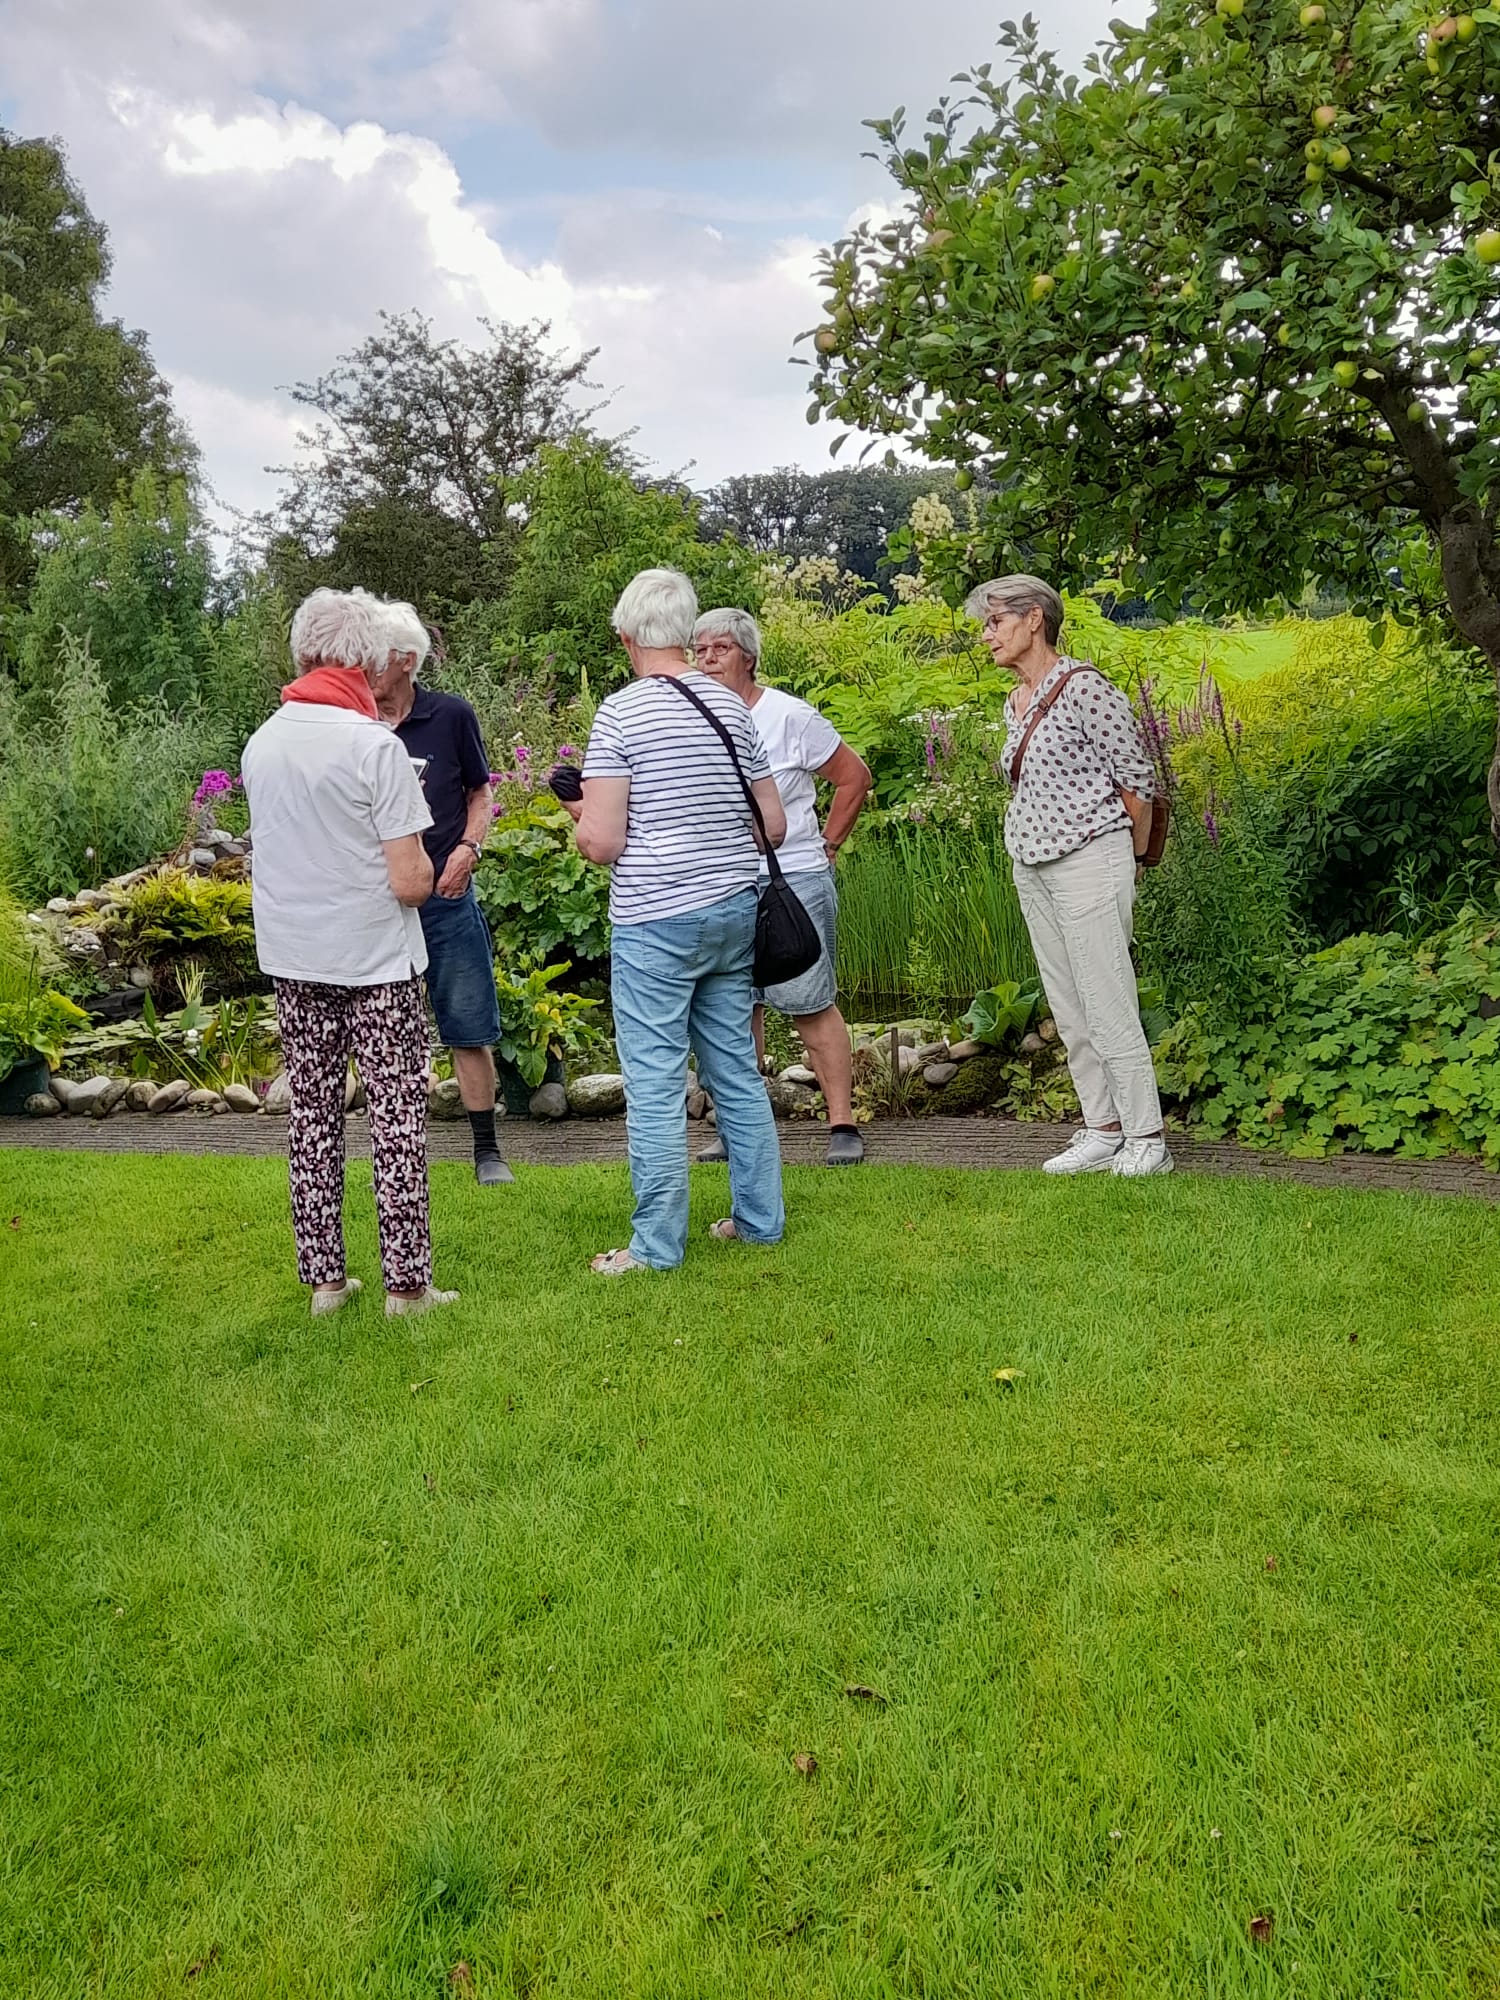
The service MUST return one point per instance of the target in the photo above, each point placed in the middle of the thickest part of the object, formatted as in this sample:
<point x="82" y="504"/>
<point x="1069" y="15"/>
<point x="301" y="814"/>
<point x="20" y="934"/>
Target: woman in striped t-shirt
<point x="662" y="808"/>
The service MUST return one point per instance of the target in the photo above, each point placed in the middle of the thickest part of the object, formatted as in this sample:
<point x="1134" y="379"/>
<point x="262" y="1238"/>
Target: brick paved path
<point x="923" y="1142"/>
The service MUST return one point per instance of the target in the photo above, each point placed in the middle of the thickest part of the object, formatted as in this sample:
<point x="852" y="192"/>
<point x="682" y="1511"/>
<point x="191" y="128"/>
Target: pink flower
<point x="212" y="785"/>
<point x="567" y="751"/>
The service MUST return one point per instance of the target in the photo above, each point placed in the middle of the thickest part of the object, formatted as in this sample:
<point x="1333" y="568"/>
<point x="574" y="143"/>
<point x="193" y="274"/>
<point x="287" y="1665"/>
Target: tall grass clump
<point x="92" y="790"/>
<point x="929" y="914"/>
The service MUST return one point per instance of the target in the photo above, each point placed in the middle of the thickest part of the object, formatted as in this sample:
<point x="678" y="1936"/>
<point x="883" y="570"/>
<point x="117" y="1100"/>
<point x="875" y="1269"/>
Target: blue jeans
<point x="461" y="971"/>
<point x="680" y="983"/>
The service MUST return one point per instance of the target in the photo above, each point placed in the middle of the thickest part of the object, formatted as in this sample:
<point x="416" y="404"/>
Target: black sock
<point x="483" y="1123"/>
<point x="843" y="1128"/>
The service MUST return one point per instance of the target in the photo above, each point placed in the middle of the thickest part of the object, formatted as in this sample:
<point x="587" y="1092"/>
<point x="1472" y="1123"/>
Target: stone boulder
<point x="203" y="1100"/>
<point x="597" y="1096"/>
<point x="138" y="1097"/>
<point x="87" y="1098"/>
<point x="790" y="1100"/>
<point x="240" y="1097"/>
<point x="278" y="1099"/>
<point x="798" y="1073"/>
<point x="961" y="1052"/>
<point x="445" y="1101"/>
<point x="699" y="1103"/>
<point x="549" y="1100"/>
<point x="354" y="1092"/>
<point x="935" y="1075"/>
<point x="42" y="1104"/>
<point x="170" y="1097"/>
<point x="62" y="1088"/>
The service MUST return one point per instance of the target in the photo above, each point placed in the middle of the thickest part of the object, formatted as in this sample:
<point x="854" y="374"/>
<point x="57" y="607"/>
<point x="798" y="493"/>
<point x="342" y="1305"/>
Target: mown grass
<point x="332" y="1657"/>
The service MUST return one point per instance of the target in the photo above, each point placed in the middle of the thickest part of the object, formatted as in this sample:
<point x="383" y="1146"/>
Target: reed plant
<point x="929" y="914"/>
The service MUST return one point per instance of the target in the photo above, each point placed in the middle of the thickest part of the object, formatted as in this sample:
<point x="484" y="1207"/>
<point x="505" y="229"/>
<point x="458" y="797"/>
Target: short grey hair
<point x="346" y="626"/>
<point x="727" y="623"/>
<point x="1018" y="593"/>
<point x="405" y="630"/>
<point x="657" y="609"/>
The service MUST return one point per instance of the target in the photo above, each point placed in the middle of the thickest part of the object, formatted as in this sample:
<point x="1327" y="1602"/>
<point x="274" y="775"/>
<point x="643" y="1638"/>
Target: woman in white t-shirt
<point x="336" y="818"/>
<point x="802" y="747"/>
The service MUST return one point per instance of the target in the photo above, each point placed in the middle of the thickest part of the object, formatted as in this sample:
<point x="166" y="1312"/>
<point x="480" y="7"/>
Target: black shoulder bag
<point x="787" y="943"/>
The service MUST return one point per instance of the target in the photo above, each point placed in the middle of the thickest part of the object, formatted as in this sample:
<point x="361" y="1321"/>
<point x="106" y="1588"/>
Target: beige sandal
<point x="615" y="1264"/>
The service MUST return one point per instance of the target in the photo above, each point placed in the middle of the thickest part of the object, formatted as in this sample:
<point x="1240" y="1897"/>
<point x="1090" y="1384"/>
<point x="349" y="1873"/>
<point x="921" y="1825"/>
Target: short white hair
<point x="1018" y="593"/>
<point x="406" y="631"/>
<point x="343" y="626"/>
<point x="727" y="623"/>
<point x="657" y="609"/>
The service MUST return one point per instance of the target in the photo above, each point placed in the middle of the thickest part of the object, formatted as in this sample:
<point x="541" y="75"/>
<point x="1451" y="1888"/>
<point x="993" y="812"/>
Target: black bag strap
<point x="772" y="864"/>
<point x="1085" y="667"/>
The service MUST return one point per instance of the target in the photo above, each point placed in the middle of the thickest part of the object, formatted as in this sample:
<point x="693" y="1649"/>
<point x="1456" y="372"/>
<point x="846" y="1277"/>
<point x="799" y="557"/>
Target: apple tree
<point x="1220" y="317"/>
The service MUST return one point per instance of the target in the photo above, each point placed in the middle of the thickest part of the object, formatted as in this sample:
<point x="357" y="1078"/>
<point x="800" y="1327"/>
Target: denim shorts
<point x="818" y="987"/>
<point x="461" y="971"/>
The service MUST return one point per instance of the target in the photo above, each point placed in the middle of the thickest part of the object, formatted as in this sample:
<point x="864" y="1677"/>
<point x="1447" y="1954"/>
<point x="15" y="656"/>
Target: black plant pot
<point x="515" y="1092"/>
<point x="27" y="1079"/>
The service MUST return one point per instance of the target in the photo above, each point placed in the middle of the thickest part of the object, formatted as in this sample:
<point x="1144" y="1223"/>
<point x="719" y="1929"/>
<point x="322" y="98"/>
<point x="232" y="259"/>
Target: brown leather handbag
<point x="1161" y="809"/>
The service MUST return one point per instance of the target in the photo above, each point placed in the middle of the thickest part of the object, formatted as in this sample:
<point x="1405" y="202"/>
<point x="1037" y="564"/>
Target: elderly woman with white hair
<point x="664" y="808"/>
<point x="337" y="818"/>
<point x="1078" y="821"/>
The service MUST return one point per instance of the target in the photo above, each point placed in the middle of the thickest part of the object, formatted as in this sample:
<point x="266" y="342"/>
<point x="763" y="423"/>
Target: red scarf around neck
<point x="334" y="687"/>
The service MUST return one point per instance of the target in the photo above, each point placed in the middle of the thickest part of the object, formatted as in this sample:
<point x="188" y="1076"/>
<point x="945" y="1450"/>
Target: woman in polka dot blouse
<point x="1080" y="813"/>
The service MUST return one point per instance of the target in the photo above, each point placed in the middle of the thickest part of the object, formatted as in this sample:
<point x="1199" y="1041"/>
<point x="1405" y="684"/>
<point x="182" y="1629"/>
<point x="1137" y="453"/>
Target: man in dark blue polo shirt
<point x="441" y="734"/>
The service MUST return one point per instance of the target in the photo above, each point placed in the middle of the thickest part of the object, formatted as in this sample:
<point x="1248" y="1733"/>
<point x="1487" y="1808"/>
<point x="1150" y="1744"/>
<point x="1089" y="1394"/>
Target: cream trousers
<point x="1078" y="910"/>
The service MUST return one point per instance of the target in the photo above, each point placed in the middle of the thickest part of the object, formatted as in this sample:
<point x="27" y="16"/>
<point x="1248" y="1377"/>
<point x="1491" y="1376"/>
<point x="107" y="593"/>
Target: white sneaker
<point x="1142" y="1156"/>
<point x="329" y="1302"/>
<point x="1087" y="1152"/>
<point x="423" y="1302"/>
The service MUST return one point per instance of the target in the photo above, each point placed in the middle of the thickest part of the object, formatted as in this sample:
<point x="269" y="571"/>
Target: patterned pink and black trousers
<point x="384" y="1028"/>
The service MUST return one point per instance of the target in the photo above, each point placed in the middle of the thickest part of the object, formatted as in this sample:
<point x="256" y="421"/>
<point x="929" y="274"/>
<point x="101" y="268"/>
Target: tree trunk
<point x="1471" y="577"/>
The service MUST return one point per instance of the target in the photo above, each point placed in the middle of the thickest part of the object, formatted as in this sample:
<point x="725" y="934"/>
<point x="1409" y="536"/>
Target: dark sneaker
<point x="716" y="1155"/>
<point x="845" y="1147"/>
<point x="491" y="1171"/>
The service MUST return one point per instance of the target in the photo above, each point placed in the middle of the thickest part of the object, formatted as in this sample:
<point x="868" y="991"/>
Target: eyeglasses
<point x="999" y="617"/>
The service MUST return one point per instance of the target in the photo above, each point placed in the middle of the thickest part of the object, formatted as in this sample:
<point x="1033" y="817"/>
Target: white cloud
<point x="272" y="179"/>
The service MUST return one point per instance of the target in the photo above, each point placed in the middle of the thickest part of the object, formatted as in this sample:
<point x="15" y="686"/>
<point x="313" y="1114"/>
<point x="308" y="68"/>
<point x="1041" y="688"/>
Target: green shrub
<point x="1366" y="759"/>
<point x="174" y="922"/>
<point x="88" y="790"/>
<point x="1376" y="1044"/>
<point x="132" y="585"/>
<point x="536" y="1021"/>
<point x="37" y="1024"/>
<point x="542" y="900"/>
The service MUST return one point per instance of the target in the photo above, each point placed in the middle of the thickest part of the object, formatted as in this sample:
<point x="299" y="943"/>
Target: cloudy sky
<point x="652" y="176"/>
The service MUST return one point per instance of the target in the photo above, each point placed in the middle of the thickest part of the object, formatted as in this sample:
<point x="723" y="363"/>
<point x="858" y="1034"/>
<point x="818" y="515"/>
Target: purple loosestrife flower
<point x="522" y="753"/>
<point x="213" y="785"/>
<point x="567" y="751"/>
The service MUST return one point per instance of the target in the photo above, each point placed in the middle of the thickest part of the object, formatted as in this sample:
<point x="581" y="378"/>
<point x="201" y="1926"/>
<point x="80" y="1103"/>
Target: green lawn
<point x="331" y="1656"/>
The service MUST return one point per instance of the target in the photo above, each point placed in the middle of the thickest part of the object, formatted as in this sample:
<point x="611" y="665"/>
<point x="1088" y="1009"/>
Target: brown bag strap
<point x="1056" y="690"/>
